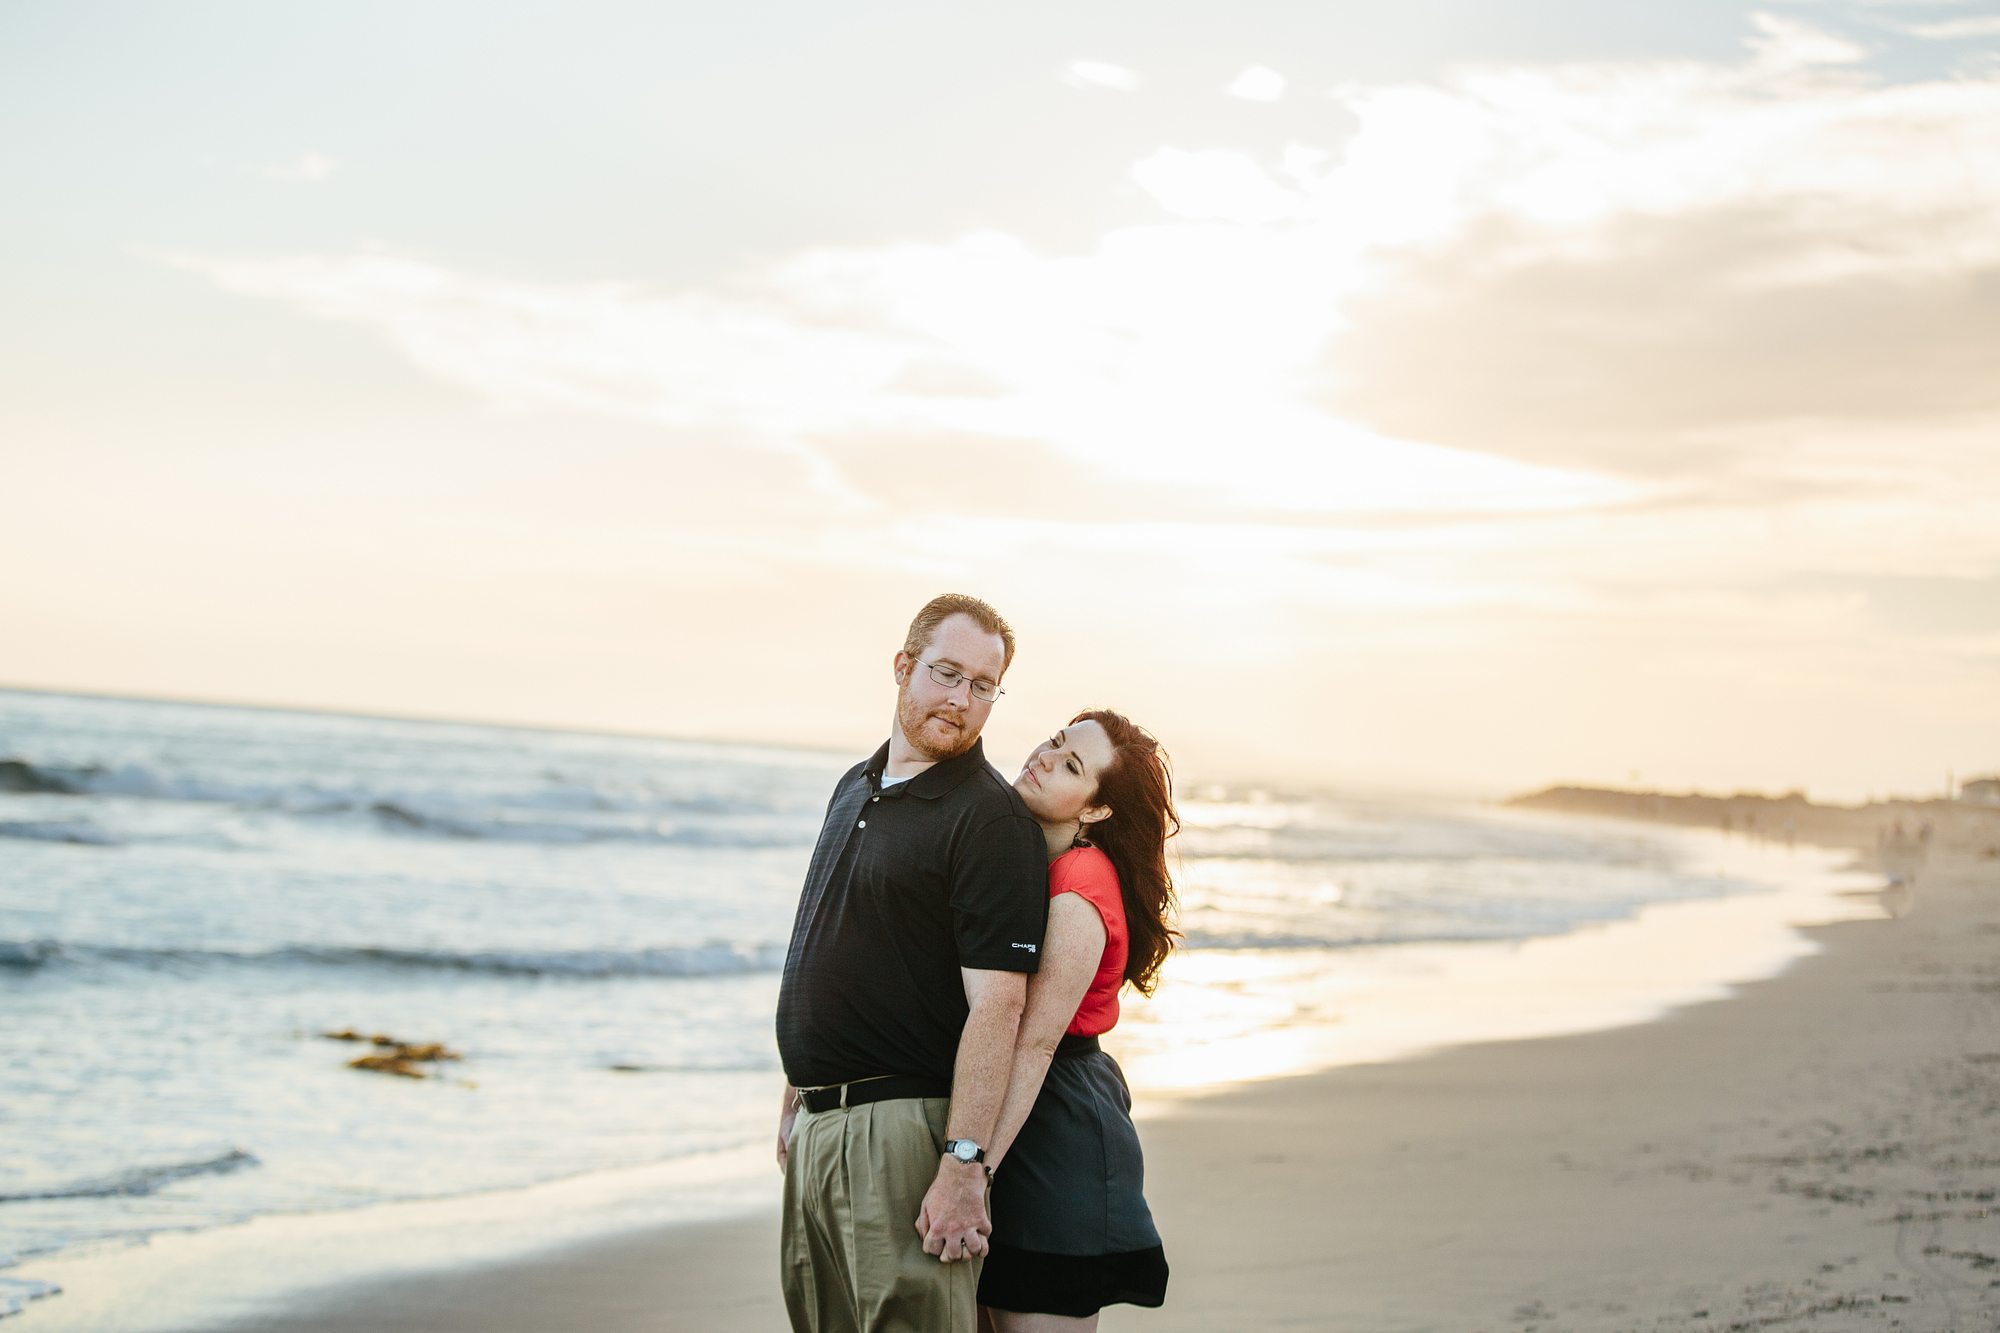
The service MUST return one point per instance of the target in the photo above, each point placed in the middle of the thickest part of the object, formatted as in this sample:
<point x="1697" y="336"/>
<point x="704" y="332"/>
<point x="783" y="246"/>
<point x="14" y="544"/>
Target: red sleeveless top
<point x="1088" y="873"/>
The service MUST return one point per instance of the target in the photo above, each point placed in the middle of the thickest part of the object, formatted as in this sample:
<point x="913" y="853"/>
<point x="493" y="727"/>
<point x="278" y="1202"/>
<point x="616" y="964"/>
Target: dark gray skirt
<point x="1074" y="1182"/>
<point x="1071" y="1228"/>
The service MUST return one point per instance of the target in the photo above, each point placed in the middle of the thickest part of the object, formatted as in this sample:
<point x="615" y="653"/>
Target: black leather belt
<point x="1074" y="1044"/>
<point x="889" y="1089"/>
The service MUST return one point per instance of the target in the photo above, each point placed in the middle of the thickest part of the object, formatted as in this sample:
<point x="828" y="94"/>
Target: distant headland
<point x="1972" y="820"/>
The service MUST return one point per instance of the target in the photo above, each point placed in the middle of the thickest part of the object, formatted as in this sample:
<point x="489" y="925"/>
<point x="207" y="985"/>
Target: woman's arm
<point x="1071" y="952"/>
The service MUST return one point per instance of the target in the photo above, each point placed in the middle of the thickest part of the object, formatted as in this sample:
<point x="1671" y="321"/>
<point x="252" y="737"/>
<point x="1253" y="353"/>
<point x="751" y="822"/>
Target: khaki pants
<point x="853" y="1261"/>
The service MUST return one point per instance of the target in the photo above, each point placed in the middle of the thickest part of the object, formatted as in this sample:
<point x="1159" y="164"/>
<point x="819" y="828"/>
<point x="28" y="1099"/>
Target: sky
<point x="1446" y="395"/>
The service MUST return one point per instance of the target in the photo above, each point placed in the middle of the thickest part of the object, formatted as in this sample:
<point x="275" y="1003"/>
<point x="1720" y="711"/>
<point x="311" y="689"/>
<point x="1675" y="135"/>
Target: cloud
<point x="1923" y="606"/>
<point x="1258" y="83"/>
<point x="1658" y="355"/>
<point x="1553" y="336"/>
<point x="1787" y="44"/>
<point x="1100" y="74"/>
<point x="1166" y="358"/>
<point x="1951" y="30"/>
<point x="1631" y="266"/>
<point x="307" y="167"/>
<point x="688" y="361"/>
<point x="1215" y="185"/>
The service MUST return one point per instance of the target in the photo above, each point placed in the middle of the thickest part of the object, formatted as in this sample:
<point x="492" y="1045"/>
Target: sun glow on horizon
<point x="1645" y="367"/>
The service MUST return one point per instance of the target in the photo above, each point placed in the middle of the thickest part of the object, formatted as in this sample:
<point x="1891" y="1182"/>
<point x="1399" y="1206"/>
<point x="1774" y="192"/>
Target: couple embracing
<point x="958" y="1153"/>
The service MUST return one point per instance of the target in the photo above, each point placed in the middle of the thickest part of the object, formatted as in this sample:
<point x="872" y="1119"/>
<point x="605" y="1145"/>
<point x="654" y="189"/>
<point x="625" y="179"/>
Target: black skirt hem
<point x="1077" y="1285"/>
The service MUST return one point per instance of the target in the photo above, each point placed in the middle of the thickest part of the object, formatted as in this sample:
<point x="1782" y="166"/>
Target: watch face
<point x="964" y="1149"/>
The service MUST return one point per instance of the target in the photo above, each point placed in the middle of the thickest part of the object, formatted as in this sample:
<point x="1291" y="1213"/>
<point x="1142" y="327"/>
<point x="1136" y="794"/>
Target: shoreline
<point x="635" y="1265"/>
<point x="387" y="1257"/>
<point x="1805" y="1156"/>
<point x="1382" y="1003"/>
<point x="1817" y="1153"/>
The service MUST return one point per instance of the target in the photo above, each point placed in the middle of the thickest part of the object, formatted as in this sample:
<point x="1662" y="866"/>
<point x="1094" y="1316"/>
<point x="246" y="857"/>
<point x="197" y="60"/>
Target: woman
<point x="1071" y="1230"/>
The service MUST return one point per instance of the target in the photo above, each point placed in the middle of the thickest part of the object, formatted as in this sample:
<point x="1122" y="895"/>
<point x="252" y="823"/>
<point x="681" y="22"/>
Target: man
<point x="922" y="915"/>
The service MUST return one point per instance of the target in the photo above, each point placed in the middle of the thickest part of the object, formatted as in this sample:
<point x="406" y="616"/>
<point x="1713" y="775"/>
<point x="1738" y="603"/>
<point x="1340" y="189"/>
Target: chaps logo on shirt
<point x="1029" y="947"/>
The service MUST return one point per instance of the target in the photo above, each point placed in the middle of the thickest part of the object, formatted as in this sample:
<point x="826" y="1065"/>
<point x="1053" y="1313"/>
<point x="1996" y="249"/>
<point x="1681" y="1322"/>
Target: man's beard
<point x="911" y="716"/>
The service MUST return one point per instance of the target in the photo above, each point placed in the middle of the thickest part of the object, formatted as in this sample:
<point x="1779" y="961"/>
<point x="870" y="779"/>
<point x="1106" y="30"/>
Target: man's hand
<point x="953" y="1220"/>
<point x="786" y="1115"/>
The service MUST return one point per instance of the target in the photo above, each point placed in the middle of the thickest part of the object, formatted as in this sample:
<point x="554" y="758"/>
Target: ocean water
<point x="192" y="896"/>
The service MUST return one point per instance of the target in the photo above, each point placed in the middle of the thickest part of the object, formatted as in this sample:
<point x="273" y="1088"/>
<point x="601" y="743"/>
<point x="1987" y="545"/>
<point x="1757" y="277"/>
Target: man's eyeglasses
<point x="985" y="691"/>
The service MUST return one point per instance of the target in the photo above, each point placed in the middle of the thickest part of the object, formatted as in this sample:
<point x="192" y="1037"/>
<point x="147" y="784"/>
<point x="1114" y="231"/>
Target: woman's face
<point x="1059" y="782"/>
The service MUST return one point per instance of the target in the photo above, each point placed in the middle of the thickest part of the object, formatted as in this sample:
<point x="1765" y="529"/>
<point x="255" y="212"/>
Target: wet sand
<point x="1821" y="1151"/>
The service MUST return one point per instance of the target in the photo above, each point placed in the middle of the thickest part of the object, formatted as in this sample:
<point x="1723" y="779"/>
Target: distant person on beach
<point x="922" y="916"/>
<point x="1071" y="1229"/>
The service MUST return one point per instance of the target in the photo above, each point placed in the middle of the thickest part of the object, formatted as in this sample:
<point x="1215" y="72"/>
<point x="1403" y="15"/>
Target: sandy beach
<point x="480" y="482"/>
<point x="1821" y="1151"/>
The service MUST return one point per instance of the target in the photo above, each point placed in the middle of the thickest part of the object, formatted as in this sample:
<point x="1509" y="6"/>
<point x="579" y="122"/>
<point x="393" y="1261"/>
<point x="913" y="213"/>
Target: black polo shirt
<point x="908" y="885"/>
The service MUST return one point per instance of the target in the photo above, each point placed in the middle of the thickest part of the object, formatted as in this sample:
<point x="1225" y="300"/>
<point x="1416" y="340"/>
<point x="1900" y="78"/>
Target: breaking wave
<point x="1245" y="941"/>
<point x="57" y="830"/>
<point x="27" y="953"/>
<point x="702" y="960"/>
<point x="140" y="1180"/>
<point x="402" y="817"/>
<point x="16" y="1292"/>
<point x="562" y="812"/>
<point x="1309" y="841"/>
<point x="21" y="776"/>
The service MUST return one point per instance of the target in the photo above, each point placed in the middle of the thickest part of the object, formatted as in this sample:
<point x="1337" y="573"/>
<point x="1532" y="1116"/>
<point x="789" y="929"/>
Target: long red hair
<point x="1139" y="787"/>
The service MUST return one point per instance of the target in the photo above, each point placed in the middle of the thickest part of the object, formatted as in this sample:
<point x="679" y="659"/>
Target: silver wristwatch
<point x="965" y="1150"/>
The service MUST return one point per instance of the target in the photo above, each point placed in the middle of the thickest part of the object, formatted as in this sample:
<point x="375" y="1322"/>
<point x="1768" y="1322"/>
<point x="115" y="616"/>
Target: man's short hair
<point x="940" y="609"/>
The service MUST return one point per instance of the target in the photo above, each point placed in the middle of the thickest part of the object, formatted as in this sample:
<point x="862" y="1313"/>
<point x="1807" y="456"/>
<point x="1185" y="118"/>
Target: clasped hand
<point x="953" y="1220"/>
